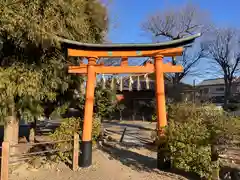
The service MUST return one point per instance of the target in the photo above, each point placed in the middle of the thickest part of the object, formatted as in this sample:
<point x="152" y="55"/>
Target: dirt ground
<point x="111" y="161"/>
<point x="132" y="159"/>
<point x="104" y="167"/>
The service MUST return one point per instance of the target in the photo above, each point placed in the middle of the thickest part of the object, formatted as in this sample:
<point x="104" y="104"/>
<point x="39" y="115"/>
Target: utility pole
<point x="194" y="91"/>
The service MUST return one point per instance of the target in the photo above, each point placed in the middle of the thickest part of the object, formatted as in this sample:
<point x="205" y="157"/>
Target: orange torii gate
<point x="94" y="51"/>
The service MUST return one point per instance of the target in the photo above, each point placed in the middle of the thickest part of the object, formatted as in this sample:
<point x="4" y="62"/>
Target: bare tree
<point x="189" y="60"/>
<point x="110" y="61"/>
<point x="223" y="48"/>
<point x="175" y="24"/>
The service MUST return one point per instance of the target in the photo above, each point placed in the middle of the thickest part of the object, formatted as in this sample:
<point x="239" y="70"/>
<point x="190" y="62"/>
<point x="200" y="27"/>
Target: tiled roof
<point x="217" y="81"/>
<point x="207" y="82"/>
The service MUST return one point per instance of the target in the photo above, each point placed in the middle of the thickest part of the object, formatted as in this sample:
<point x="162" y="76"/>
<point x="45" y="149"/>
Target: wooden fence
<point x="7" y="156"/>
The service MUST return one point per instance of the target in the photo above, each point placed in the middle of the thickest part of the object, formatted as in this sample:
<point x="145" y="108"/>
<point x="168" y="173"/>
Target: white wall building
<point x="214" y="89"/>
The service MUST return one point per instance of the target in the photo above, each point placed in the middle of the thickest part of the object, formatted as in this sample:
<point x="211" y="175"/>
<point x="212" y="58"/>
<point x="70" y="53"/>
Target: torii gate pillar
<point x="86" y="145"/>
<point x="161" y="111"/>
<point x="160" y="93"/>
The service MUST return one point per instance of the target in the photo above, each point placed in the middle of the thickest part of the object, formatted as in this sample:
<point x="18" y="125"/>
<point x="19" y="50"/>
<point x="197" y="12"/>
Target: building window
<point x="220" y="89"/>
<point x="238" y="88"/>
<point x="206" y="90"/>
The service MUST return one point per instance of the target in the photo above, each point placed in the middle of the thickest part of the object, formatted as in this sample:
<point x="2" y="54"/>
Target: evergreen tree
<point x="33" y="67"/>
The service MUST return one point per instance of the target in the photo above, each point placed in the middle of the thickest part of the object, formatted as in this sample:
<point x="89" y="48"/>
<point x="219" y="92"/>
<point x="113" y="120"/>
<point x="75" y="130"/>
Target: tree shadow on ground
<point x="141" y="162"/>
<point x="128" y="125"/>
<point x="143" y="142"/>
<point x="230" y="173"/>
<point x="130" y="134"/>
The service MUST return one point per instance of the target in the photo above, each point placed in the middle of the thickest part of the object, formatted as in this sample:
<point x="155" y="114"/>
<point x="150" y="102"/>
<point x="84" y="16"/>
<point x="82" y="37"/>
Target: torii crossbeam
<point x="94" y="51"/>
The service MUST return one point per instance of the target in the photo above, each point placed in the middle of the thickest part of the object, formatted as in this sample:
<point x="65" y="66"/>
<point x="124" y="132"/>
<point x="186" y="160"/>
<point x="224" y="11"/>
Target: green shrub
<point x="192" y="131"/>
<point x="232" y="106"/>
<point x="105" y="101"/>
<point x="96" y="128"/>
<point x="66" y="131"/>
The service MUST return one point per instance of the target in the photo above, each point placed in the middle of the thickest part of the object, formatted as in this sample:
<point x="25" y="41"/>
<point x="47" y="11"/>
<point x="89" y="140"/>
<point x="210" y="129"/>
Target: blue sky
<point x="126" y="17"/>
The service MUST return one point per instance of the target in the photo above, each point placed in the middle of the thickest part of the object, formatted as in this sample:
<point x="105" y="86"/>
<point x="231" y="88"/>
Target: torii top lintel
<point x="166" y="49"/>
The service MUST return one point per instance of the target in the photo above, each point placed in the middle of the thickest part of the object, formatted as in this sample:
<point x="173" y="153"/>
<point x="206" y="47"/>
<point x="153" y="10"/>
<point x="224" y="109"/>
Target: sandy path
<point x="103" y="168"/>
<point x="110" y="163"/>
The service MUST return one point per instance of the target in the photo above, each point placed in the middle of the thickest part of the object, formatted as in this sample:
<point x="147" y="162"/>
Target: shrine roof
<point x="130" y="46"/>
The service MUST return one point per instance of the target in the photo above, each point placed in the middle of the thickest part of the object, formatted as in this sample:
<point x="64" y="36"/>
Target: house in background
<point x="137" y="101"/>
<point x="213" y="90"/>
<point x="140" y="102"/>
<point x="138" y="96"/>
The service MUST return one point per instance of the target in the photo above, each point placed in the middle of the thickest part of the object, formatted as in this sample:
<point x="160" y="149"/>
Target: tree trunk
<point x="11" y="128"/>
<point x="33" y="130"/>
<point x="143" y="117"/>
<point x="176" y="79"/>
<point x="176" y="76"/>
<point x="82" y="88"/>
<point x="175" y="88"/>
<point x="215" y="163"/>
<point x="120" y="113"/>
<point x="11" y="131"/>
<point x="227" y="92"/>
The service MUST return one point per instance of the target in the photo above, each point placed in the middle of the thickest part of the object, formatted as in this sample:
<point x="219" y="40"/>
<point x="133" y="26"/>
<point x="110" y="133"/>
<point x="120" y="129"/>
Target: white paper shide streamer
<point x="103" y="81"/>
<point x="138" y="83"/>
<point x="112" y="83"/>
<point x="130" y="83"/>
<point x="121" y="83"/>
<point x="147" y="80"/>
<point x="118" y="80"/>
